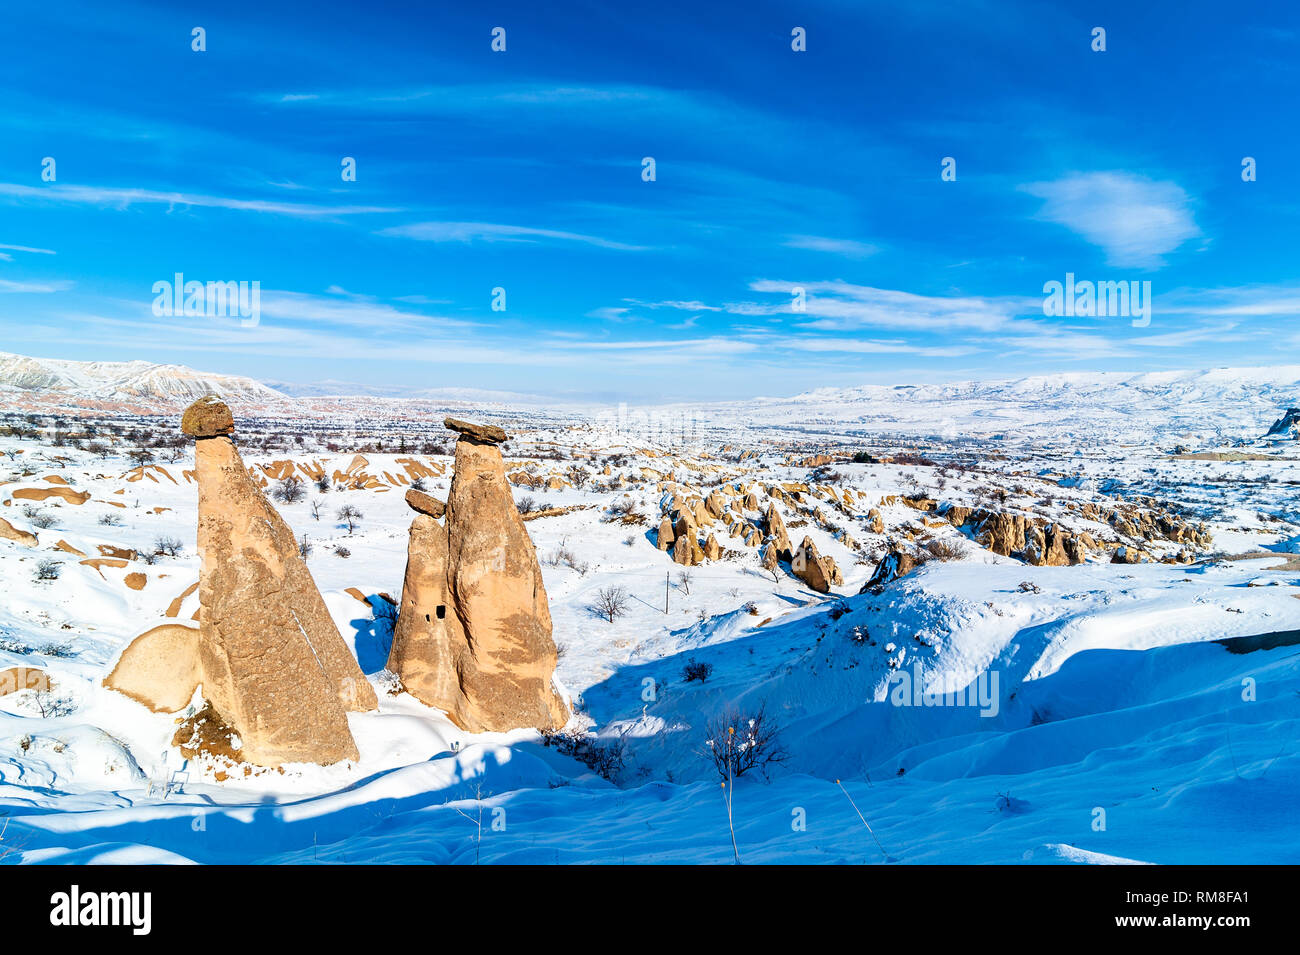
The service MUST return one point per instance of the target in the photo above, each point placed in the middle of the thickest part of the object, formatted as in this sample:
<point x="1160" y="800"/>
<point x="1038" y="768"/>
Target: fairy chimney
<point x="268" y="656"/>
<point x="473" y="634"/>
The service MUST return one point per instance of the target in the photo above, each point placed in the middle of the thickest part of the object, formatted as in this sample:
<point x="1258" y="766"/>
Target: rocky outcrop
<point x="896" y="563"/>
<point x="818" y="572"/>
<point x="424" y="504"/>
<point x="777" y="534"/>
<point x="666" y="535"/>
<point x="482" y="433"/>
<point x="268" y="656"/>
<point x="1287" y="426"/>
<point x="473" y="634"/>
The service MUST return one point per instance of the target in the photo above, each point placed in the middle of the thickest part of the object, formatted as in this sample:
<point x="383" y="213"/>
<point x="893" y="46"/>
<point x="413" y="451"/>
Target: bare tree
<point x="684" y="581"/>
<point x="316" y="508"/>
<point x="349" y="515"/>
<point x="610" y="602"/>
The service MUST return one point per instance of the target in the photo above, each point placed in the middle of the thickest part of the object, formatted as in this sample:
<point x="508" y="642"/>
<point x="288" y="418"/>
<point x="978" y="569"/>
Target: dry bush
<point x="738" y="744"/>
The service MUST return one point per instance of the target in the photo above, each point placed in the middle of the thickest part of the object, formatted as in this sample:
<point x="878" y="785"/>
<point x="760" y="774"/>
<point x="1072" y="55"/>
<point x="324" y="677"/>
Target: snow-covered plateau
<point x="1139" y="704"/>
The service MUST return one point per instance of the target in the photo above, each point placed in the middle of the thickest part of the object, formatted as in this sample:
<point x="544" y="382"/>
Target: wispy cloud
<point x="124" y="198"/>
<point x="347" y="310"/>
<point x="28" y="248"/>
<point x="466" y="232"/>
<point x="849" y="248"/>
<point x="1135" y="220"/>
<point x="842" y="306"/>
<point x="33" y="287"/>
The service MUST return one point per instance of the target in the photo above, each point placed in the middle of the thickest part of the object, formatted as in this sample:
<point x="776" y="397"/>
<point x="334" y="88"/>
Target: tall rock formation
<point x="473" y="634"/>
<point x="270" y="660"/>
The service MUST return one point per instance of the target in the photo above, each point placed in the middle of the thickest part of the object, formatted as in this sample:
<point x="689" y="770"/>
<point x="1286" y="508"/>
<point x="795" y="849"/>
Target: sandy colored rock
<point x="207" y="418"/>
<point x="485" y="433"/>
<point x="269" y="658"/>
<point x="712" y="549"/>
<point x="274" y="665"/>
<point x="424" y="504"/>
<point x="160" y="668"/>
<point x="11" y="533"/>
<point x="1003" y="533"/>
<point x="817" y="571"/>
<point x="473" y="634"/>
<point x="666" y="534"/>
<point x="777" y="533"/>
<point x="45" y="493"/>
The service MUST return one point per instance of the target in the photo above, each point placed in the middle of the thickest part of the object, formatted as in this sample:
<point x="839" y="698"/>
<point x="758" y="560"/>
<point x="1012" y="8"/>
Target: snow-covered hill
<point x="123" y="381"/>
<point x="1222" y="403"/>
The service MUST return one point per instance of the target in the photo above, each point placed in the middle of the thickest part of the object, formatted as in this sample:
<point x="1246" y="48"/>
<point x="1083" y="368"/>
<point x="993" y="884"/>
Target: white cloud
<point x="496" y="232"/>
<point x="1135" y="220"/>
<point x="124" y="198"/>
<point x="34" y="287"/>
<point x="840" y="306"/>
<point x="849" y="248"/>
<point x="27" y="248"/>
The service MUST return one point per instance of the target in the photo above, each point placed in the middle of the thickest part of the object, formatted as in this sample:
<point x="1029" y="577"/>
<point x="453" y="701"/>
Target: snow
<point x="1124" y="730"/>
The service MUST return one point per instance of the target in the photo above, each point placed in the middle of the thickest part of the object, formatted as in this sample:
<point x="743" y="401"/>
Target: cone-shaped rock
<point x="269" y="658"/>
<point x="473" y="635"/>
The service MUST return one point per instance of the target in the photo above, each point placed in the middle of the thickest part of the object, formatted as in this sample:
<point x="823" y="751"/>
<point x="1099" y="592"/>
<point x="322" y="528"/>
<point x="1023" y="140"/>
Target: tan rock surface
<point x="11" y="533"/>
<point x="268" y="656"/>
<point x="160" y="668"/>
<point x="473" y="634"/>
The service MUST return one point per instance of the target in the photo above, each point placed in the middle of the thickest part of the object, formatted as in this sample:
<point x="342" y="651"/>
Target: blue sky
<point x="774" y="169"/>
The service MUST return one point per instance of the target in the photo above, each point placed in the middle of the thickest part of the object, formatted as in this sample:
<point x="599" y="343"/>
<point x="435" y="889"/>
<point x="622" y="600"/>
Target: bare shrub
<point x="168" y="547"/>
<point x="606" y="759"/>
<point x="289" y="491"/>
<point x="696" y="671"/>
<point x="941" y="550"/>
<point x="738" y="744"/>
<point x="48" y="570"/>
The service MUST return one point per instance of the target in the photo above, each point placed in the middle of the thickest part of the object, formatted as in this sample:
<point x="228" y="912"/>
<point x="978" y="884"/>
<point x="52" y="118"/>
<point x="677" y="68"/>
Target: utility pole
<point x="667" y="575"/>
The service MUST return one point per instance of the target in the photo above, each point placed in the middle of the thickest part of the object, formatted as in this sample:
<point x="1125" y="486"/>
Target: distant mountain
<point x="122" y="381"/>
<point x="1219" y="404"/>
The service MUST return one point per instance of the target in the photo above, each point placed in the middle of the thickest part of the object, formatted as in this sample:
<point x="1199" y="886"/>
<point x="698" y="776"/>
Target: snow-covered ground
<point x="1114" y="716"/>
